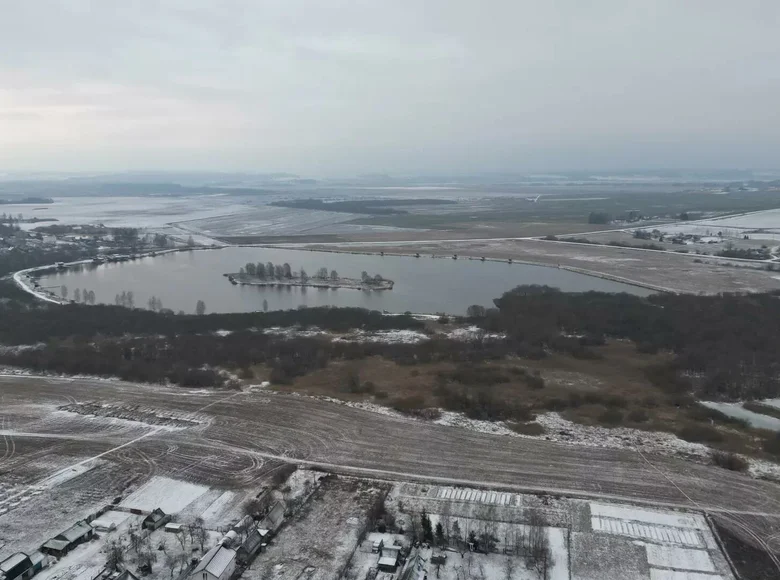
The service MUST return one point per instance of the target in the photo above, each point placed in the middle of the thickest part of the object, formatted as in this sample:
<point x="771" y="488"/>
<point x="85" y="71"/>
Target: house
<point x="104" y="524"/>
<point x="20" y="566"/>
<point x="275" y="516"/>
<point x="155" y="520"/>
<point x="173" y="528"/>
<point x="75" y="535"/>
<point x="218" y="564"/>
<point x="255" y="540"/>
<point x="107" y="574"/>
<point x="388" y="558"/>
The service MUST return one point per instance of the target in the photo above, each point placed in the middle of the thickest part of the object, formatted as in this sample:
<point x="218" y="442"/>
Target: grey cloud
<point x="354" y="87"/>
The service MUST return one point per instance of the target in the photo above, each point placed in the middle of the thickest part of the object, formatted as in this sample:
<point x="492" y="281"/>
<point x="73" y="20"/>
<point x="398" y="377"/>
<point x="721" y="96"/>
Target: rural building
<point x="275" y="516"/>
<point x="174" y="528"/>
<point x="388" y="558"/>
<point x="256" y="539"/>
<point x="107" y="574"/>
<point x="156" y="520"/>
<point x="218" y="564"/>
<point x="104" y="524"/>
<point x="20" y="566"/>
<point x="60" y="545"/>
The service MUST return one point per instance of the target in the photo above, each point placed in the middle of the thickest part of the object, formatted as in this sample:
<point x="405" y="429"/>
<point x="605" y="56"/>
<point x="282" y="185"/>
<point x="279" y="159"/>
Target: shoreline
<point x="420" y="255"/>
<point x="25" y="282"/>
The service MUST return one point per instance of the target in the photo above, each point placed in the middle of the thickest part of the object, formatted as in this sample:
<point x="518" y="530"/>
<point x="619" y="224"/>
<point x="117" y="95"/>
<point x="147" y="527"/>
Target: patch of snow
<point x="385" y="336"/>
<point x="218" y="506"/>
<point x="680" y="558"/>
<point x="170" y="495"/>
<point x="472" y="333"/>
<point x="662" y="518"/>
<point x="460" y="420"/>
<point x="657" y="574"/>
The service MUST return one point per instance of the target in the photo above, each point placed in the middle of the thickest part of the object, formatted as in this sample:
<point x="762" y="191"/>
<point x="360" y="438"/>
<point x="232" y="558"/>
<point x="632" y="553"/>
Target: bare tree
<point x="444" y="519"/>
<point x="200" y="308"/>
<point x="77" y="295"/>
<point x="64" y="292"/>
<point x="198" y="532"/>
<point x="509" y="567"/>
<point x="115" y="555"/>
<point x="538" y="556"/>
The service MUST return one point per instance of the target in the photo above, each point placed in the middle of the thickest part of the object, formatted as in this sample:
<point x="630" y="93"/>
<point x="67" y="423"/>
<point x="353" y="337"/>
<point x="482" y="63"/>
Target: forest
<point x="720" y="347"/>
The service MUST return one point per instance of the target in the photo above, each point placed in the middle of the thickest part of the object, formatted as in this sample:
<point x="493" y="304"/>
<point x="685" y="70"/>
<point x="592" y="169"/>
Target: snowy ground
<point x="170" y="495"/>
<point x="588" y="540"/>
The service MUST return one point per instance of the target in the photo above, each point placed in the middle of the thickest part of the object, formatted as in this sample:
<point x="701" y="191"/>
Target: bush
<point x="617" y="401"/>
<point x="730" y="461"/>
<point x="556" y="404"/>
<point x="409" y="405"/>
<point x="526" y="428"/>
<point x="638" y="416"/>
<point x="701" y="413"/>
<point x="381" y="395"/>
<point x="700" y="434"/>
<point x="534" y="381"/>
<point x="593" y="398"/>
<point x="611" y="417"/>
<point x="772" y="445"/>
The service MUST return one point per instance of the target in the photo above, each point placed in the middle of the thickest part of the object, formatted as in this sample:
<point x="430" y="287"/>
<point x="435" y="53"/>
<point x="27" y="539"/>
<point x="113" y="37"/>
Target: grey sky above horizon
<point x="401" y="86"/>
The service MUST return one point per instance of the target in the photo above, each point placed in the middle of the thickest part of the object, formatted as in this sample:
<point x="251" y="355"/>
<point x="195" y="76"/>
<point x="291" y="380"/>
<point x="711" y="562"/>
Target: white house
<point x="217" y="564"/>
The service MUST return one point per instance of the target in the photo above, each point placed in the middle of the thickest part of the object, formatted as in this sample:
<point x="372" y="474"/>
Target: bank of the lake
<point x="180" y="279"/>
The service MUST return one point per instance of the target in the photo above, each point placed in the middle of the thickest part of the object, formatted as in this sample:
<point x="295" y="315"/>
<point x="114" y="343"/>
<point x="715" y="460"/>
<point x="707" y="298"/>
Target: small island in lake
<point x="270" y="274"/>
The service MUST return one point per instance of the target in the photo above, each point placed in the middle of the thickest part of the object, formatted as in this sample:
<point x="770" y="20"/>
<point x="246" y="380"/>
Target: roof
<point x="155" y="516"/>
<point x="388" y="561"/>
<point x="36" y="557"/>
<point x="216" y="561"/>
<point x="391" y="549"/>
<point x="56" y="544"/>
<point x="13" y="561"/>
<point x="76" y="531"/>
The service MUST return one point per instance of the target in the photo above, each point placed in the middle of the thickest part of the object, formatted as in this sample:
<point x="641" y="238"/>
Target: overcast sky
<point x="328" y="87"/>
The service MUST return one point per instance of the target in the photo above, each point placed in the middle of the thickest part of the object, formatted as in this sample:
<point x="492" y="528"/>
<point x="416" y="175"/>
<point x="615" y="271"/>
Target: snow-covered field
<point x="588" y="540"/>
<point x="129" y="211"/>
<point x="169" y="495"/>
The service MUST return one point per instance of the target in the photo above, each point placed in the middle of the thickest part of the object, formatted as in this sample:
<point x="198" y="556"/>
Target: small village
<point x="316" y="525"/>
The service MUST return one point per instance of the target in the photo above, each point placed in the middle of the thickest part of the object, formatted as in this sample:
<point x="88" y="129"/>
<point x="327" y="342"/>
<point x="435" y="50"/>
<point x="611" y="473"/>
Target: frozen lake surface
<point x="421" y="285"/>
<point x="737" y="411"/>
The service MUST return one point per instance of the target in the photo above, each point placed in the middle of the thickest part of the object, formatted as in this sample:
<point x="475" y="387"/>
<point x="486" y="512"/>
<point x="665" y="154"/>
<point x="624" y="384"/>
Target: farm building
<point x="156" y="519"/>
<point x="20" y="566"/>
<point x="173" y="528"/>
<point x="218" y="564"/>
<point x="107" y="574"/>
<point x="63" y="543"/>
<point x="388" y="558"/>
<point x="255" y="540"/>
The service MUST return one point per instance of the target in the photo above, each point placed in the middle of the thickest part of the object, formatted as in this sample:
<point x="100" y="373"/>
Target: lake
<point x="423" y="284"/>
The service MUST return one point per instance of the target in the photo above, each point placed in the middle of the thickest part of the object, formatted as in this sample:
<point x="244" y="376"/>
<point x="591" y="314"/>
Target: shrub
<point x="638" y="416"/>
<point x="530" y="428"/>
<point x="730" y="461"/>
<point x="409" y="404"/>
<point x="611" y="417"/>
<point x="556" y="404"/>
<point x="381" y="395"/>
<point x="700" y="434"/>
<point x="772" y="445"/>
<point x="534" y="381"/>
<point x="617" y="401"/>
<point x="593" y="398"/>
<point x="701" y="413"/>
<point x="575" y="400"/>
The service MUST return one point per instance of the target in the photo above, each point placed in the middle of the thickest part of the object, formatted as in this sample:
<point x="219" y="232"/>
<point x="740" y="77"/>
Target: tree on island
<point x="364" y="276"/>
<point x="322" y="273"/>
<point x="334" y="275"/>
<point x="269" y="269"/>
<point x="287" y="271"/>
<point x="278" y="272"/>
<point x="64" y="291"/>
<point x="303" y="276"/>
<point x="260" y="270"/>
<point x="77" y="295"/>
<point x="200" y="308"/>
<point x="265" y="305"/>
<point x="251" y="269"/>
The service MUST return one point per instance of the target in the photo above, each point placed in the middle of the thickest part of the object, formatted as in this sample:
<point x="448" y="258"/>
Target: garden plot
<point x="321" y="538"/>
<point x="170" y="495"/>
